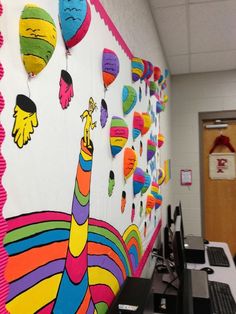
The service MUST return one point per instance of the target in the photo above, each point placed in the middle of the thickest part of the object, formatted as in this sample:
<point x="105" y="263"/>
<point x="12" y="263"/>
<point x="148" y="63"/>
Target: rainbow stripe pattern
<point x="119" y="134"/>
<point x="137" y="68"/>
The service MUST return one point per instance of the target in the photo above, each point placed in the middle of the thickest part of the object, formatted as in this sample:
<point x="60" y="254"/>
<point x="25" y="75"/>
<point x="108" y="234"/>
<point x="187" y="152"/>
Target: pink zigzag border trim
<point x="3" y="197"/>
<point x="107" y="20"/>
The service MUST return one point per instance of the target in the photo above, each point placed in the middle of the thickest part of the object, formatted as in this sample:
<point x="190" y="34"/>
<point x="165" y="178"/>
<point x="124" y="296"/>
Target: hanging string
<point x="28" y="86"/>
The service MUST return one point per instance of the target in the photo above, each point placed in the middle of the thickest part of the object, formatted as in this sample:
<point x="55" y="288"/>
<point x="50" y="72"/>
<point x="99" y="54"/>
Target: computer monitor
<point x="169" y="220"/>
<point x="178" y="212"/>
<point x="170" y="276"/>
<point x="178" y="247"/>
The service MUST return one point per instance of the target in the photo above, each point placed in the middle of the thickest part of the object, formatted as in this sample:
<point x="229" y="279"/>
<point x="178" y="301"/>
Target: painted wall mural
<point x="83" y="198"/>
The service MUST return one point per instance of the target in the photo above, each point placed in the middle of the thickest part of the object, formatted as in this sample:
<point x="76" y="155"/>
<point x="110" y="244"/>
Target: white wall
<point x="192" y="94"/>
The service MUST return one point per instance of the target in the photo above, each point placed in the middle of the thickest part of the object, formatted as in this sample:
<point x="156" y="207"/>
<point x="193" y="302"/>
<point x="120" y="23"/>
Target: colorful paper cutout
<point x="75" y="18"/>
<point x="161" y="176"/>
<point x="147" y="183"/>
<point x="161" y="140"/>
<point x="156" y="73"/>
<point x="38" y="38"/>
<point x="111" y="183"/>
<point x="147" y="122"/>
<point x="140" y="93"/>
<point x="153" y="88"/>
<point x="119" y="134"/>
<point x="130" y="162"/>
<point x="123" y="201"/>
<point x="165" y="99"/>
<point x="1" y="71"/>
<point x="158" y="202"/>
<point x="138" y="180"/>
<point x="138" y="124"/>
<point x="110" y="67"/>
<point x="150" y="203"/>
<point x="103" y="113"/>
<point x="66" y="91"/>
<point x="129" y="98"/>
<point x="149" y="70"/>
<point x="155" y="189"/>
<point x="140" y="148"/>
<point x="133" y="213"/>
<point x="151" y="149"/>
<point x="166" y="73"/>
<point x="167" y="168"/>
<point x="25" y="114"/>
<point x="141" y="209"/>
<point x="137" y="67"/>
<point x="159" y="107"/>
<point x="145" y="230"/>
<point x="89" y="124"/>
<point x="145" y="69"/>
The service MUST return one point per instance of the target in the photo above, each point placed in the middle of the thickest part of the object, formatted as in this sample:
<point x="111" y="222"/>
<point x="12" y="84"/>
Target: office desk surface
<point x="221" y="274"/>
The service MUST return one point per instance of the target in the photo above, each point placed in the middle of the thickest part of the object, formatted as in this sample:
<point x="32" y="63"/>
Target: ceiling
<point x="197" y="35"/>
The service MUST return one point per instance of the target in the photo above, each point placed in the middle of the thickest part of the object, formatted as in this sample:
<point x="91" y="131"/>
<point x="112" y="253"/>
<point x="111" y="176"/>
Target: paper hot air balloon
<point x="153" y="88"/>
<point x="137" y="67"/>
<point x="75" y="18"/>
<point x="147" y="122"/>
<point x="149" y="70"/>
<point x="145" y="70"/>
<point x="159" y="107"/>
<point x="130" y="162"/>
<point x="146" y="183"/>
<point x="129" y="98"/>
<point x="161" y="140"/>
<point x="110" y="67"/>
<point x="158" y="201"/>
<point x="38" y="37"/>
<point x="161" y="176"/>
<point x="151" y="149"/>
<point x="156" y="73"/>
<point x="138" y="124"/>
<point x="150" y="203"/>
<point x="138" y="180"/>
<point x="119" y="134"/>
<point x="155" y="189"/>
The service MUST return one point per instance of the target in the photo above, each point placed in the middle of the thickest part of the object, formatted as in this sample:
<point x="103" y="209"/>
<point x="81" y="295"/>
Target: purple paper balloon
<point x="104" y="113"/>
<point x="110" y="66"/>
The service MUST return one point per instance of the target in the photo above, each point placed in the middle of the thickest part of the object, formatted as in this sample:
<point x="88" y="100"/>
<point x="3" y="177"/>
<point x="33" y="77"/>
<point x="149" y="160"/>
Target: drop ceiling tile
<point x="214" y="61"/>
<point x="212" y="26"/>
<point x="165" y="3"/>
<point x="179" y="64"/>
<point x="172" y="28"/>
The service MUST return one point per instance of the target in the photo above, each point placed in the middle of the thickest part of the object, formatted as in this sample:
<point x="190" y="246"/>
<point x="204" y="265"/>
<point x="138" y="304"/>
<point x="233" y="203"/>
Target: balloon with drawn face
<point x="38" y="37"/>
<point x="75" y="18"/>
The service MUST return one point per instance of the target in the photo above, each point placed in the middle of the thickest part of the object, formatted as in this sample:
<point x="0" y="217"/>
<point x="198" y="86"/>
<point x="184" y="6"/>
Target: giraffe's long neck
<point x="74" y="294"/>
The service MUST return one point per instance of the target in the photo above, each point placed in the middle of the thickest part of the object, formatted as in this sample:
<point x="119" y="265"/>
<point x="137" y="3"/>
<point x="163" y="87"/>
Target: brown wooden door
<point x="219" y="199"/>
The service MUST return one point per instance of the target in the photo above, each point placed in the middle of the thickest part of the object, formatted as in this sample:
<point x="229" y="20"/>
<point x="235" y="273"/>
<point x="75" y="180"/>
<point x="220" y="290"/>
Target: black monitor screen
<point x="169" y="220"/>
<point x="178" y="247"/>
<point x="166" y="247"/>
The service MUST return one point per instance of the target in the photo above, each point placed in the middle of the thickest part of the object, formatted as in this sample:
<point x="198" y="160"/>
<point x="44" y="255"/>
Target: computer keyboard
<point x="222" y="301"/>
<point x="217" y="256"/>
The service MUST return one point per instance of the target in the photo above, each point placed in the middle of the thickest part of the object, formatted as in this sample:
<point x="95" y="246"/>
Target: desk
<point x="221" y="274"/>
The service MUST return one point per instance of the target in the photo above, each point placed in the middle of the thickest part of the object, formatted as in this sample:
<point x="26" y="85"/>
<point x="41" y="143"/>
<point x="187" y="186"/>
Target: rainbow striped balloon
<point x="158" y="201"/>
<point x="38" y="38"/>
<point x="137" y="67"/>
<point x="138" y="180"/>
<point x="150" y="203"/>
<point x="161" y="176"/>
<point x="154" y="189"/>
<point x="129" y="98"/>
<point x="159" y="107"/>
<point x="153" y="88"/>
<point x="147" y="122"/>
<point x="151" y="149"/>
<point x="149" y="70"/>
<point x="147" y="183"/>
<point x="138" y="124"/>
<point x="161" y="140"/>
<point x="119" y="134"/>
